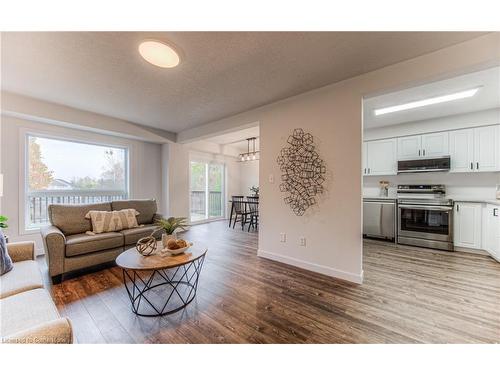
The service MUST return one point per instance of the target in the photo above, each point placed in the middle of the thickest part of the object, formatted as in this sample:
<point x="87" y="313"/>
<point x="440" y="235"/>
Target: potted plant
<point x="3" y="223"/>
<point x="169" y="226"/>
<point x="255" y="191"/>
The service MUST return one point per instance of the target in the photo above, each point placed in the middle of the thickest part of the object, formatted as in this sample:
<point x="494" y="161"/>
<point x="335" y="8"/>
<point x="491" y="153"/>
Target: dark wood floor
<point x="408" y="296"/>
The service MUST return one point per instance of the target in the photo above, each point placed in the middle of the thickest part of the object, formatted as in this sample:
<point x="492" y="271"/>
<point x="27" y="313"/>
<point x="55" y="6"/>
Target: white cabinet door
<point x="364" y="157"/>
<point x="486" y="143"/>
<point x="491" y="230"/>
<point x="409" y="147"/>
<point x="435" y="145"/>
<point x="462" y="150"/>
<point x="467" y="225"/>
<point x="381" y="157"/>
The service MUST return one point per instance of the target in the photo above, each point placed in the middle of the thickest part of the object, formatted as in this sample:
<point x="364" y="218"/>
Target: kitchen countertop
<point x="390" y="198"/>
<point x="456" y="198"/>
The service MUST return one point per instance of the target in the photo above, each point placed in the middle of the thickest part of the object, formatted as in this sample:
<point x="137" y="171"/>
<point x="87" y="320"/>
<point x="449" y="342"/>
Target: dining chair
<point x="238" y="209"/>
<point x="253" y="212"/>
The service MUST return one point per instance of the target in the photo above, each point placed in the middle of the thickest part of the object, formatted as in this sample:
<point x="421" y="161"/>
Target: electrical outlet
<point x="282" y="237"/>
<point x="302" y="241"/>
<point x="271" y="178"/>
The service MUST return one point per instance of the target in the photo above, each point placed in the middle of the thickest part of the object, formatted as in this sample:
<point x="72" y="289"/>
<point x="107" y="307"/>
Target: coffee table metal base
<point x="163" y="291"/>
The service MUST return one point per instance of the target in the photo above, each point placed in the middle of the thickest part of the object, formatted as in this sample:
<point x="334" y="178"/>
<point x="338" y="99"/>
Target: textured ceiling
<point x="221" y="73"/>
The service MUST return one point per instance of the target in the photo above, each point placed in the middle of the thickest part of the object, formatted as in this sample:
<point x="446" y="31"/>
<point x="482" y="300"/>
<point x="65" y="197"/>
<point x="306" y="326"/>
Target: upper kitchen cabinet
<point x="486" y="143"/>
<point x="475" y="150"/>
<point x="462" y="150"/>
<point x="430" y="145"/>
<point x="409" y="147"/>
<point x="380" y="157"/>
<point x="435" y="145"/>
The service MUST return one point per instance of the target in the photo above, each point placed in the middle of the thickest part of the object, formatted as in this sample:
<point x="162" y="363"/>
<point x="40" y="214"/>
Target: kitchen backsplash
<point x="478" y="185"/>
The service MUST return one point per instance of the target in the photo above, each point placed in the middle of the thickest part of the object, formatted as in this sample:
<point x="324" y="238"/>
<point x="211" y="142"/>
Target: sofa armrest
<point x="58" y="331"/>
<point x="20" y="251"/>
<point x="54" y="243"/>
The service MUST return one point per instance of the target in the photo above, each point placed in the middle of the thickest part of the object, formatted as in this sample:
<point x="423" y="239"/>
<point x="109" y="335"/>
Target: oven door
<point x="427" y="222"/>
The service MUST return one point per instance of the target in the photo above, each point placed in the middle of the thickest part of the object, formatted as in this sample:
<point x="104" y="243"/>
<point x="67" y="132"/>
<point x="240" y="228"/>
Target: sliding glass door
<point x="207" y="193"/>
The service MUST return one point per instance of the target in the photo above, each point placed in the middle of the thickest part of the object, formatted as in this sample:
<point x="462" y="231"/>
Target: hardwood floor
<point x="409" y="295"/>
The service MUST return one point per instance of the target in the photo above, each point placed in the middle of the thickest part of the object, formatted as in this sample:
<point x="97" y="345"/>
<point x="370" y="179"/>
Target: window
<point x="207" y="181"/>
<point x="61" y="171"/>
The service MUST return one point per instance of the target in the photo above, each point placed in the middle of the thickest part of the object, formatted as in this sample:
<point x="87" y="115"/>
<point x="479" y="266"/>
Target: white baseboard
<point x="324" y="270"/>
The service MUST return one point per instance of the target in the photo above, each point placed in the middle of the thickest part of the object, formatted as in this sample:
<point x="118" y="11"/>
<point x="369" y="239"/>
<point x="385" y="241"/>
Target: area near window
<point x="206" y="195"/>
<point x="70" y="172"/>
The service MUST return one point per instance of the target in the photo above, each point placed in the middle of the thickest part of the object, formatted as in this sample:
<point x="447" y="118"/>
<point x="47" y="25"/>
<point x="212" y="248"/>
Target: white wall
<point x="249" y="172"/>
<point x="333" y="115"/>
<point x="145" y="167"/>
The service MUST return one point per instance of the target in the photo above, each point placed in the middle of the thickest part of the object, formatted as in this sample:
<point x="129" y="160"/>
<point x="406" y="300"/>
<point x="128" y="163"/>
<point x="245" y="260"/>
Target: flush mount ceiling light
<point x="426" y="102"/>
<point x="159" y="54"/>
<point x="249" y="155"/>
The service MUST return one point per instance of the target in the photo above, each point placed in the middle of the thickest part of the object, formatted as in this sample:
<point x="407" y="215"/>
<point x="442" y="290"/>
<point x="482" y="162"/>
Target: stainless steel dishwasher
<point x="379" y="218"/>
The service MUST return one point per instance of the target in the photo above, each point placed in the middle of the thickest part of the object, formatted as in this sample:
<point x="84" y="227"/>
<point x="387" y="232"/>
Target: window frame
<point x="25" y="134"/>
<point x="207" y="162"/>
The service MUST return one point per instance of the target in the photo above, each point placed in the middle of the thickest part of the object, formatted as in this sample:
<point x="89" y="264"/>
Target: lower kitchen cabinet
<point x="491" y="230"/>
<point x="467" y="225"/>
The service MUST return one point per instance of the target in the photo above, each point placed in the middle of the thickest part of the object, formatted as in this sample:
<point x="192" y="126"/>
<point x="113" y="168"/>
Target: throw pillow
<point x="112" y="221"/>
<point x="5" y="261"/>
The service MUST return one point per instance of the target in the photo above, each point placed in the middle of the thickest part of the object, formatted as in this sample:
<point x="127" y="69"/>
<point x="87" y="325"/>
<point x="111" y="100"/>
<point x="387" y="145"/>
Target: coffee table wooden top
<point x="132" y="260"/>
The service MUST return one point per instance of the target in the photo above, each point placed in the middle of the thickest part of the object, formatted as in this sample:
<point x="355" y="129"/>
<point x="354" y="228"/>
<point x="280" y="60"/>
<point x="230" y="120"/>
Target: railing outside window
<point x="38" y="201"/>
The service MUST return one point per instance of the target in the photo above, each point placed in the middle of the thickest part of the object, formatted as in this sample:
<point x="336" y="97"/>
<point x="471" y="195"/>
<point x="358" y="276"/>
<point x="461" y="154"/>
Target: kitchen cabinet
<point x="486" y="143"/>
<point x="462" y="150"/>
<point x="467" y="225"/>
<point x="475" y="150"/>
<point x="409" y="147"/>
<point x="491" y="230"/>
<point x="380" y="157"/>
<point x="430" y="145"/>
<point x="435" y="145"/>
<point x="364" y="157"/>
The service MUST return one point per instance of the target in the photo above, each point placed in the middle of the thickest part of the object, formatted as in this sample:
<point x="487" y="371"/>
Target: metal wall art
<point x="303" y="172"/>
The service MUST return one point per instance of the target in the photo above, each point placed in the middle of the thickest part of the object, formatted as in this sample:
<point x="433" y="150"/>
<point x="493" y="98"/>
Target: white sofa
<point x="27" y="312"/>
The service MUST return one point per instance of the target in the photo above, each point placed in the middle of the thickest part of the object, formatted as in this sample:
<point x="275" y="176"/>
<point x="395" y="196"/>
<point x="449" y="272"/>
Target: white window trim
<point x="23" y="159"/>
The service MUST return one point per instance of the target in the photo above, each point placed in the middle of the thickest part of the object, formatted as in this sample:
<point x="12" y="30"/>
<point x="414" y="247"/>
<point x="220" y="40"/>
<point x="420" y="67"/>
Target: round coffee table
<point x="159" y="285"/>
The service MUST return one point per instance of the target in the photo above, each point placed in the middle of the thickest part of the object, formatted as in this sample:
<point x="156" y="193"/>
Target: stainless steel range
<point x="425" y="216"/>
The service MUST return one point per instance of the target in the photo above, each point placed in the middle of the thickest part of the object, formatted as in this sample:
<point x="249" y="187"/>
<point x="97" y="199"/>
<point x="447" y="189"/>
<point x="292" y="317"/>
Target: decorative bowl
<point x="177" y="251"/>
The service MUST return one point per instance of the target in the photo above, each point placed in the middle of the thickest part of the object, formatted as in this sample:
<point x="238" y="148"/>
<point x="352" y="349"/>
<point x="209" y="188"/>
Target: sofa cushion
<point x="79" y="244"/>
<point x="132" y="235"/>
<point x="25" y="310"/>
<point x="24" y="276"/>
<point x="146" y="207"/>
<point x="70" y="219"/>
<point x="112" y="221"/>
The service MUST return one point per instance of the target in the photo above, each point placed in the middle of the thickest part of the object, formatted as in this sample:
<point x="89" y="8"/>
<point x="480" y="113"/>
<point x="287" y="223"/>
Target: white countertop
<point x="459" y="198"/>
<point x="456" y="198"/>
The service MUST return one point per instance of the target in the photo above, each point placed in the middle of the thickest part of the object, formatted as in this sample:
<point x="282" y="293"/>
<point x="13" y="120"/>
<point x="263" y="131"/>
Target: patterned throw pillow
<point x="5" y="261"/>
<point x="112" y="221"/>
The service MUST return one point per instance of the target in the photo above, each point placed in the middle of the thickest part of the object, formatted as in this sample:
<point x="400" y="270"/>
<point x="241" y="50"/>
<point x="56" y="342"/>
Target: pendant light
<point x="249" y="155"/>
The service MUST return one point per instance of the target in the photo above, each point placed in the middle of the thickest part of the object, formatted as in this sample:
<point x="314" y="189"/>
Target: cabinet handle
<point x="495" y="212"/>
<point x="471" y="165"/>
<point x="368" y="170"/>
<point x="418" y="152"/>
<point x="423" y="152"/>
<point x="365" y="170"/>
<point x="458" y="208"/>
<point x="477" y="165"/>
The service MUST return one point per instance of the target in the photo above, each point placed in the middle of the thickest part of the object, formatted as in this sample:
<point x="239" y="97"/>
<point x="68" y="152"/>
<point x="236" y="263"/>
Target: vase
<point x="166" y="237"/>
